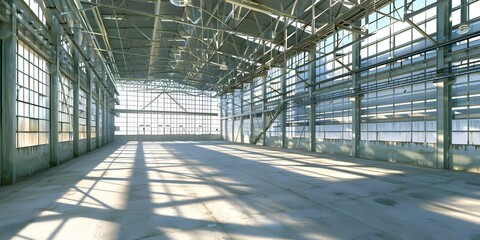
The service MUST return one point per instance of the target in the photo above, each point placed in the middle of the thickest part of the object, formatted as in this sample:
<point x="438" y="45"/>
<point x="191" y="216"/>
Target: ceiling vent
<point x="180" y="3"/>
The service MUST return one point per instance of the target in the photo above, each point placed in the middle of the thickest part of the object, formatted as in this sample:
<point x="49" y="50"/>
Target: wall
<point x="32" y="159"/>
<point x="410" y="153"/>
<point x="409" y="92"/>
<point x="168" y="137"/>
<point x="50" y="84"/>
<point x="466" y="158"/>
<point x="65" y="151"/>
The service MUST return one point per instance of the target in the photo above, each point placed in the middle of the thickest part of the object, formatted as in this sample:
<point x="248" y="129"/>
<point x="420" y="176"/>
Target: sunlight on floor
<point x="189" y="190"/>
<point x="454" y="207"/>
<point x="332" y="170"/>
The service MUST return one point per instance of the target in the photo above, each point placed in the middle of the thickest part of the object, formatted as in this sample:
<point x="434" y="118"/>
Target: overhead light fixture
<point x="180" y="3"/>
<point x="224" y="66"/>
<point x="462" y="29"/>
<point x="110" y="17"/>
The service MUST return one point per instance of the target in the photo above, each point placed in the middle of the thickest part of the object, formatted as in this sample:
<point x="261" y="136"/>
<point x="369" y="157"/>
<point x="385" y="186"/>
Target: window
<point x="36" y="9"/>
<point x="65" y="110"/>
<point x="82" y="115"/>
<point x="93" y="119"/>
<point x="33" y="98"/>
<point x="152" y="110"/>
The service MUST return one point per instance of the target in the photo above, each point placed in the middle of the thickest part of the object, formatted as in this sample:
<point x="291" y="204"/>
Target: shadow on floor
<point x="218" y="190"/>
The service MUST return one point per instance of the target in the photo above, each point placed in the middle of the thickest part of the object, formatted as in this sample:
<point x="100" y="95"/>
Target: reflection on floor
<point x="219" y="190"/>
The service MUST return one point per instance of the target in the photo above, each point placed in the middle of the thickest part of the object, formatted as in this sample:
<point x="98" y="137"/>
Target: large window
<point x="82" y="115"/>
<point x="466" y="108"/>
<point x="65" y="111"/>
<point x="297" y="124"/>
<point x="93" y="119"/>
<point x="396" y="108"/>
<point x="36" y="9"/>
<point x="33" y="98"/>
<point x="153" y="110"/>
<point x="100" y="121"/>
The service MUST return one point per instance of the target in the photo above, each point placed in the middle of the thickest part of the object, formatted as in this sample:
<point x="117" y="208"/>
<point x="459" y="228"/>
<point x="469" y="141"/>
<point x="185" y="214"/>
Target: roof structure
<point x="209" y="44"/>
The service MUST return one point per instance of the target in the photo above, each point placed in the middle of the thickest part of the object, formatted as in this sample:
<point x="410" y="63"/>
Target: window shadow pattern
<point x="220" y="190"/>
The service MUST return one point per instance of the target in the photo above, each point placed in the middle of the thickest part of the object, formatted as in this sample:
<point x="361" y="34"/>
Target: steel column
<point x="356" y="101"/>
<point x="233" y="114"/>
<point x="242" y="140"/>
<point x="264" y="108"/>
<point x="104" y="119"/>
<point x="444" y="88"/>
<point x="283" y="114"/>
<point x="225" y="121"/>
<point x="8" y="103"/>
<point x="222" y="115"/>
<point x="97" y="112"/>
<point x="76" y="97"/>
<point x="252" y="127"/>
<point x="313" y="105"/>
<point x="55" y="76"/>
<point x="89" y="109"/>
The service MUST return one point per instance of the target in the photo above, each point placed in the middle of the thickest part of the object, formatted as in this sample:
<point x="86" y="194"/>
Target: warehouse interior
<point x="239" y="119"/>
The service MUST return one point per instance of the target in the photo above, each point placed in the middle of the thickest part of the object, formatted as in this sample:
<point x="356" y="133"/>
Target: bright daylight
<point x="240" y="119"/>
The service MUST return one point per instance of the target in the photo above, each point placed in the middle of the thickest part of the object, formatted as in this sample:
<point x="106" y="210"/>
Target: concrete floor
<point x="218" y="190"/>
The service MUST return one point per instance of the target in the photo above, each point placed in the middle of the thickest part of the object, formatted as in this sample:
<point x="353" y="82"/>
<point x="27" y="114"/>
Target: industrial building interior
<point x="240" y="119"/>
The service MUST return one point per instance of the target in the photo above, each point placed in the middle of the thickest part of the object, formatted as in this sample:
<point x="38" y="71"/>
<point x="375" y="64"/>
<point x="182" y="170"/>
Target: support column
<point x="89" y="109"/>
<point x="106" y="126"/>
<point x="283" y="114"/>
<point x="252" y="127"/>
<point x="76" y="115"/>
<point x="240" y="130"/>
<point x="357" y="99"/>
<point x="110" y="126"/>
<point x="104" y="119"/>
<point x="464" y="14"/>
<point x="76" y="99"/>
<point x="8" y="98"/>
<point x="54" y="92"/>
<point x="264" y="109"/>
<point x="112" y="122"/>
<point x="222" y="115"/>
<point x="313" y="104"/>
<point x="233" y="114"/>
<point x="97" y="115"/>
<point x="444" y="88"/>
<point x="225" y="119"/>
